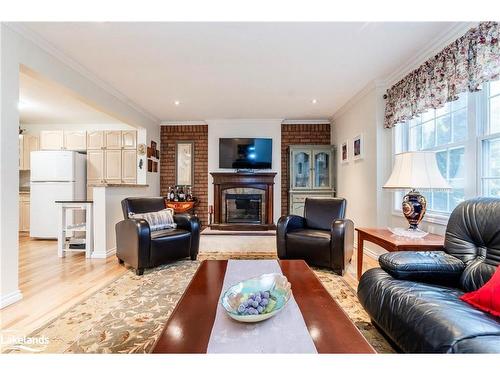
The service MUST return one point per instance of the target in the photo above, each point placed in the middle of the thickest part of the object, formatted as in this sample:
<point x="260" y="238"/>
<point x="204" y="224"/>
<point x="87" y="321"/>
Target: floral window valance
<point x="464" y="65"/>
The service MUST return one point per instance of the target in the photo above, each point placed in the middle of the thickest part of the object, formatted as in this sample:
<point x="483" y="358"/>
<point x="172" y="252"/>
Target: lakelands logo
<point x="12" y="340"/>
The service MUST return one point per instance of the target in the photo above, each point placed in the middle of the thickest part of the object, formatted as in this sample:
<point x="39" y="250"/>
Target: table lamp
<point x="415" y="171"/>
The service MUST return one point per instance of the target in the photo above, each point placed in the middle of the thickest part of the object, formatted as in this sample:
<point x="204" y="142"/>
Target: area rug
<point x="128" y="315"/>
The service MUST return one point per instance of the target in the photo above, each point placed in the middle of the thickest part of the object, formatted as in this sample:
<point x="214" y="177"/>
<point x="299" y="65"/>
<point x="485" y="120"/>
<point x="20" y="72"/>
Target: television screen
<point x="245" y="153"/>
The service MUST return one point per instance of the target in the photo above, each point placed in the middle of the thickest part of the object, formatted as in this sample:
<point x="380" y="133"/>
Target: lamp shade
<point x="416" y="170"/>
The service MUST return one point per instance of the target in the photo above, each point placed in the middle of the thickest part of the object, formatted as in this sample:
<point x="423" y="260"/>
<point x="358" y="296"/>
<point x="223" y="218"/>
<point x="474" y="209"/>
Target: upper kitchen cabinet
<point x="51" y="140"/>
<point x="95" y="140"/>
<point x="129" y="139"/>
<point x="75" y="140"/>
<point x="27" y="143"/>
<point x="63" y="140"/>
<point x="113" y="139"/>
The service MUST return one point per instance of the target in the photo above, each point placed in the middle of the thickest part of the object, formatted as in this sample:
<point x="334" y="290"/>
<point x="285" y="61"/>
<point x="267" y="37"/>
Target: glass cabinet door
<point x="322" y="178"/>
<point x="301" y="173"/>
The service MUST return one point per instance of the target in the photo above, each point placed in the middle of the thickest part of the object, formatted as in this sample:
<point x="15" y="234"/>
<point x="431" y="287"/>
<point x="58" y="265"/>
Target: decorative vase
<point x="414" y="206"/>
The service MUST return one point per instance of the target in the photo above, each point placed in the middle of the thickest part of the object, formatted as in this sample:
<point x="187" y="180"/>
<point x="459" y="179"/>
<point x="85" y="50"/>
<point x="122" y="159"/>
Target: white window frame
<point x="478" y="129"/>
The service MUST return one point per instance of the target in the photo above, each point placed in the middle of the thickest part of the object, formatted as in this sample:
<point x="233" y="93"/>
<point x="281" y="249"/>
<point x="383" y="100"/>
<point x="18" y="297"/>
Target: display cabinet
<point x="311" y="174"/>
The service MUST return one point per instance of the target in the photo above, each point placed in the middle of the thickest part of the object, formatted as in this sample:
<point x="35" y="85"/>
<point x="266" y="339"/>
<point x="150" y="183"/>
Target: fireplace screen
<point x="243" y="208"/>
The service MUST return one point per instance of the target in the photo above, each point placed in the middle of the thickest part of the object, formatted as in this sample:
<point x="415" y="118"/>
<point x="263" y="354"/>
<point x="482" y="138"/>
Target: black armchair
<point x="138" y="246"/>
<point x="323" y="237"/>
<point x="414" y="298"/>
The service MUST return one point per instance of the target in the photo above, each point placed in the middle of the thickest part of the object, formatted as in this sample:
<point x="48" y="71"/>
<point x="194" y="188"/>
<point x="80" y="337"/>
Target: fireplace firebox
<point x="243" y="208"/>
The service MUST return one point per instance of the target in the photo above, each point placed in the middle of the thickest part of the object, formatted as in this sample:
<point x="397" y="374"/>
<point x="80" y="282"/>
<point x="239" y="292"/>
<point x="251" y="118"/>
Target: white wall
<point x="108" y="212"/>
<point x="356" y="180"/>
<point x="17" y="51"/>
<point x="243" y="128"/>
<point x="37" y="128"/>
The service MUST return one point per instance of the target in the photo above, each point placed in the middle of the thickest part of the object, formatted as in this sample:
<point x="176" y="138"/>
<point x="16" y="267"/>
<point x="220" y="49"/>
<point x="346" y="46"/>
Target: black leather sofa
<point x="323" y="237"/>
<point x="137" y="246"/>
<point x="414" y="297"/>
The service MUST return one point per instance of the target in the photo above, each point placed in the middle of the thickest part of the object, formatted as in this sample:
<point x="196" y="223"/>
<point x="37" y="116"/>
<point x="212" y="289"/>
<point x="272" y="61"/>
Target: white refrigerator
<point x="55" y="176"/>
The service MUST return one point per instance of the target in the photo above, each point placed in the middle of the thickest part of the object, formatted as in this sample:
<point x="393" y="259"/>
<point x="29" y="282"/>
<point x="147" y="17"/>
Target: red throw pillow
<point x="486" y="298"/>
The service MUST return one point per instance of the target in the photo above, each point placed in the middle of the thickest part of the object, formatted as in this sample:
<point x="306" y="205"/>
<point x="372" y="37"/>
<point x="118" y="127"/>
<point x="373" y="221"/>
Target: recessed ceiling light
<point x="177" y="102"/>
<point x="314" y="101"/>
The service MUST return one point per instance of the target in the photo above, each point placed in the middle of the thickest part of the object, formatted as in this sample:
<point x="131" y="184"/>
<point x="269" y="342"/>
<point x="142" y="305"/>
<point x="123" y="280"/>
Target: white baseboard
<point x="367" y="251"/>
<point x="10" y="298"/>
<point x="104" y="255"/>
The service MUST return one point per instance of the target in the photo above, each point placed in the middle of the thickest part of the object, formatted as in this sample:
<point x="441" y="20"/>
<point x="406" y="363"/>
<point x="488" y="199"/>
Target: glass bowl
<point x="277" y="284"/>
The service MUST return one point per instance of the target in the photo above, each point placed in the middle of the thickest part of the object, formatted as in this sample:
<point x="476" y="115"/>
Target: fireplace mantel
<point x="262" y="181"/>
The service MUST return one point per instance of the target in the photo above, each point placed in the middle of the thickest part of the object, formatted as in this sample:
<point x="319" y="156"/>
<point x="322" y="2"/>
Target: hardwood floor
<point x="50" y="285"/>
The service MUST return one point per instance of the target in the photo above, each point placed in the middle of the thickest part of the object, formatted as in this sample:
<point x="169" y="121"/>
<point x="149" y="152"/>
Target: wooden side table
<point x="182" y="207"/>
<point x="391" y="242"/>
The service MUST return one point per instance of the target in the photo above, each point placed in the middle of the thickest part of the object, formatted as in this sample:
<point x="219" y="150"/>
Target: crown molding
<point x="300" y="122"/>
<point x="444" y="39"/>
<point x="76" y="66"/>
<point x="186" y="122"/>
<point x="354" y="99"/>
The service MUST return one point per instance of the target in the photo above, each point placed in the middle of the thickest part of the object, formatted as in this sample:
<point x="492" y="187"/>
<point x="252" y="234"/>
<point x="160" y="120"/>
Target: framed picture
<point x="153" y="146"/>
<point x="344" y="152"/>
<point x="150" y="165"/>
<point x="184" y="163"/>
<point x="149" y="152"/>
<point x="155" y="166"/>
<point x="157" y="154"/>
<point x="358" y="147"/>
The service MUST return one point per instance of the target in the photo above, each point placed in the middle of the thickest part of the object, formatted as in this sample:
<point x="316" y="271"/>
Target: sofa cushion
<point x="487" y="298"/>
<point x="473" y="235"/>
<point x="169" y="245"/>
<point x="311" y="245"/>
<point x="158" y="220"/>
<point x="168" y="233"/>
<point x="424" y="318"/>
<point x="427" y="266"/>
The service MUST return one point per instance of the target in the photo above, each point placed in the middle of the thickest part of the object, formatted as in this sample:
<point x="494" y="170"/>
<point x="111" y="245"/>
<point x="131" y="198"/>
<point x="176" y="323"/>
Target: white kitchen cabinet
<point x="51" y="140"/>
<point x="24" y="212"/>
<point x="113" y="166"/>
<point x="27" y="143"/>
<point x="113" y="139"/>
<point x="95" y="166"/>
<point x="95" y="140"/>
<point x="75" y="140"/>
<point x="129" y="166"/>
<point x="129" y="139"/>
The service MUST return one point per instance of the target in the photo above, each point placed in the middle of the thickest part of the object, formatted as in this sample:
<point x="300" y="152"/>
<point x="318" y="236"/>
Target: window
<point x="465" y="134"/>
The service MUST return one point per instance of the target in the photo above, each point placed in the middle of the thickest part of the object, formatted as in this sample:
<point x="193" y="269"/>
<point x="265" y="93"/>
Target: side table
<point x="390" y="242"/>
<point x="87" y="226"/>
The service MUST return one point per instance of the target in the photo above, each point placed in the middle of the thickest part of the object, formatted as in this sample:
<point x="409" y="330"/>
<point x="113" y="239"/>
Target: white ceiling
<point x="240" y="70"/>
<point x="43" y="102"/>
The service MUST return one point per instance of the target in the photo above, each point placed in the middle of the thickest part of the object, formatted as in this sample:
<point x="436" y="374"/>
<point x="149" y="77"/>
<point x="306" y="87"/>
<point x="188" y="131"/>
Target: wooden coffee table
<point x="189" y="327"/>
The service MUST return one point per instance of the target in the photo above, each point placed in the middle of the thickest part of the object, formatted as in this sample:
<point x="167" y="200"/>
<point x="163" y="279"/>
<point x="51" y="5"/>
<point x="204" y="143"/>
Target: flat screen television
<point x="245" y="153"/>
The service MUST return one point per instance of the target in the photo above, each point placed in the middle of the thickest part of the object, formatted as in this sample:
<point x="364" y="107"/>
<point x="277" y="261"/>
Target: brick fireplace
<point x="243" y="201"/>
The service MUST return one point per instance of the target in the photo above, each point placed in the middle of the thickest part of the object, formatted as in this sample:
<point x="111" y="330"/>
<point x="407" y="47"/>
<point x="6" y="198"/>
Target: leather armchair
<point x="138" y="246"/>
<point x="414" y="298"/>
<point x="323" y="237"/>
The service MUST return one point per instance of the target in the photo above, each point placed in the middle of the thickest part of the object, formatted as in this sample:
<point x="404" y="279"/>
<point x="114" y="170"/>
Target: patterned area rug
<point x="128" y="315"/>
